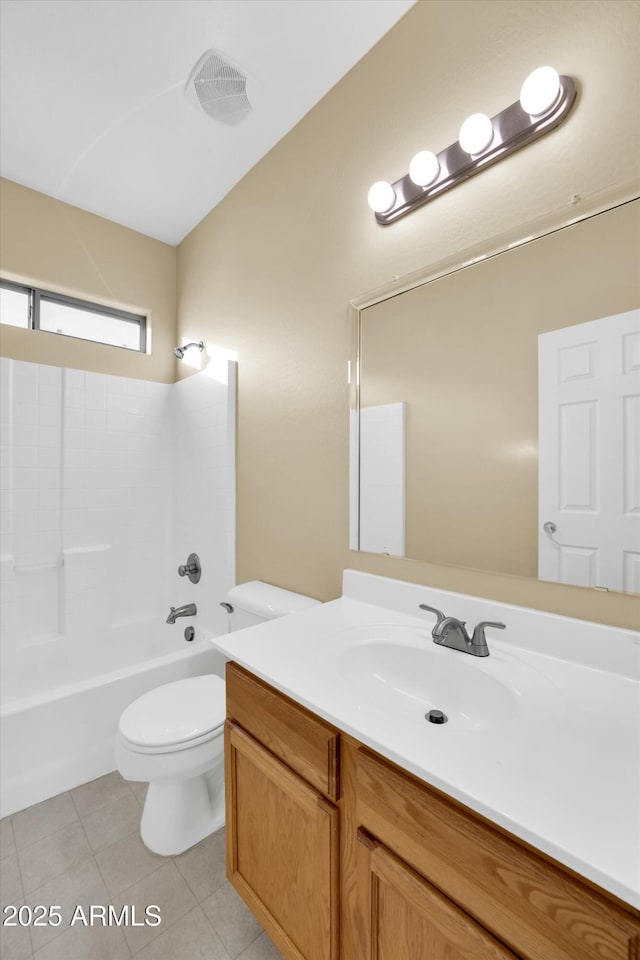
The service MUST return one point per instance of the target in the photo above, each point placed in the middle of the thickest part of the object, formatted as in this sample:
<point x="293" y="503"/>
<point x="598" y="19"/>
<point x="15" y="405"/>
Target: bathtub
<point x="59" y="739"/>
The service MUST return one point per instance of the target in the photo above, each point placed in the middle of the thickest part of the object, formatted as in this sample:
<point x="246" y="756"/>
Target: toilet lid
<point x="175" y="712"/>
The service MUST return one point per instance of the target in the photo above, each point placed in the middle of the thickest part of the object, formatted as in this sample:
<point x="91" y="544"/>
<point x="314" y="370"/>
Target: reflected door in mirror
<point x="589" y="453"/>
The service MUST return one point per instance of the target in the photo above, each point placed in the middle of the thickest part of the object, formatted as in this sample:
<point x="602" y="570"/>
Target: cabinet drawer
<point x="538" y="910"/>
<point x="307" y="745"/>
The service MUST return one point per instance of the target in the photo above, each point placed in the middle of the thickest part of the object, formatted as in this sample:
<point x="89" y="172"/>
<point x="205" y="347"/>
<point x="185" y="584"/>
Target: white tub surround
<point x="552" y="754"/>
<point x="202" y="511"/>
<point x="108" y="483"/>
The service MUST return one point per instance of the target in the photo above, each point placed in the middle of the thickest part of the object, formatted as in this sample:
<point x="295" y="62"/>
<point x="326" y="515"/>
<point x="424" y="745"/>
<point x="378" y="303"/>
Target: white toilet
<point x="172" y="736"/>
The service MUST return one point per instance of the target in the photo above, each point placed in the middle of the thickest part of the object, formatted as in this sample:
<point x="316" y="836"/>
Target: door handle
<point x="550" y="528"/>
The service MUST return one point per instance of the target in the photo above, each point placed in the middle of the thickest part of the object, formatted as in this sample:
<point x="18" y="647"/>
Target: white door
<point x="589" y="456"/>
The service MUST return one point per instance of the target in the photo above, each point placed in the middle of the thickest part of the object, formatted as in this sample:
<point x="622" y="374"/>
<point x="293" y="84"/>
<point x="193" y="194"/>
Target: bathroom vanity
<point x="393" y="844"/>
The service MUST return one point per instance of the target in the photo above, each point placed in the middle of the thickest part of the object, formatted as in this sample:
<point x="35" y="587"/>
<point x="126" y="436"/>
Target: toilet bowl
<point x="172" y="737"/>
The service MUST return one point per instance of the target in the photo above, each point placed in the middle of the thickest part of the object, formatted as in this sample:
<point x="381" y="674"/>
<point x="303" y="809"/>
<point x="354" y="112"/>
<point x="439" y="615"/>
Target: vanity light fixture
<point x="381" y="196"/>
<point x="476" y="133"/>
<point x="424" y="168"/>
<point x="545" y="101"/>
<point x="540" y="91"/>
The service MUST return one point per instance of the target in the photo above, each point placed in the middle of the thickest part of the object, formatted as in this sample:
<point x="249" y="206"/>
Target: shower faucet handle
<point x="192" y="568"/>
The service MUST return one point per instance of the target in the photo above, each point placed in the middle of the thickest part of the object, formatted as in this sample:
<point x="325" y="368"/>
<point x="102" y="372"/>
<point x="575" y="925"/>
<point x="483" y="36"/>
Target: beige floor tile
<point x="82" y="885"/>
<point x="261" y="949"/>
<point x="204" y="866"/>
<point x="49" y="853"/>
<point x="125" y="862"/>
<point x="165" y="889"/>
<point x="116" y="819"/>
<point x="10" y="880"/>
<point x="42" y="819"/>
<point x="91" y="796"/>
<point x="139" y="790"/>
<point x="7" y="843"/>
<point x="15" y="942"/>
<point x="86" y="943"/>
<point x="48" y="858"/>
<point x="233" y="922"/>
<point x="191" y="938"/>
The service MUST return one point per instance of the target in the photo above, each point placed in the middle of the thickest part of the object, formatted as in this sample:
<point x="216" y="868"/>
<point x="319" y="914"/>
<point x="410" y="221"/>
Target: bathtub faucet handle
<point x="192" y="568"/>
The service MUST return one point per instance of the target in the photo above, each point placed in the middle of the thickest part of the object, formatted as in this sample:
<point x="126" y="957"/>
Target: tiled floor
<point x="82" y="848"/>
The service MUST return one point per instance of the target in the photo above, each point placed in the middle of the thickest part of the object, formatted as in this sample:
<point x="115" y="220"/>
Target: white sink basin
<point x="400" y="670"/>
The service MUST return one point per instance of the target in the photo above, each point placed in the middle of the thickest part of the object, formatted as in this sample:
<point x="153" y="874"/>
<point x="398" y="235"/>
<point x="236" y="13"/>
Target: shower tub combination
<point x="108" y="484"/>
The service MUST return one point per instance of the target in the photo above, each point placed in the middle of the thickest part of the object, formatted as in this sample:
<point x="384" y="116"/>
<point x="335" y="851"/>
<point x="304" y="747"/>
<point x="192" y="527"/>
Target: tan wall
<point x="61" y="248"/>
<point x="271" y="270"/>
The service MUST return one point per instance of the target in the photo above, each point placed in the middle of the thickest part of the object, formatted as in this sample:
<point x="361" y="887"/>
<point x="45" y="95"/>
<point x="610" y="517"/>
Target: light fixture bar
<point x="512" y="129"/>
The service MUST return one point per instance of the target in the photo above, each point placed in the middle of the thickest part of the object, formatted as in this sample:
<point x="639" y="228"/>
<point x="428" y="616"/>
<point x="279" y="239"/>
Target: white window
<point x="35" y="309"/>
<point x="14" y="305"/>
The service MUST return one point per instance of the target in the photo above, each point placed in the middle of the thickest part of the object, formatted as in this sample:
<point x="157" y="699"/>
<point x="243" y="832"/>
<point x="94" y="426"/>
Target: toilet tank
<point x="255" y="601"/>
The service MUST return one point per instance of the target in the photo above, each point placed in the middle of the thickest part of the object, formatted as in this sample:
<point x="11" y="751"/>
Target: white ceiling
<point x="92" y="95"/>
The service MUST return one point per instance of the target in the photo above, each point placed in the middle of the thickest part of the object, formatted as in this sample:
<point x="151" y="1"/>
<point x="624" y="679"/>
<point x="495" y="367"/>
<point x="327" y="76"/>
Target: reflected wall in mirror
<point x="468" y="451"/>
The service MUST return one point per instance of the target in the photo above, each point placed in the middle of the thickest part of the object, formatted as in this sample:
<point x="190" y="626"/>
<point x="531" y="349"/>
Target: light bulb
<point x="540" y="91"/>
<point x="424" y="168"/>
<point x="476" y="133"/>
<point x="381" y="196"/>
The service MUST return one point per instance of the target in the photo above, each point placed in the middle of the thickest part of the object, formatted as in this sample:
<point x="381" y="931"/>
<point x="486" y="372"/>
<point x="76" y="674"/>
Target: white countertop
<point x="564" y="775"/>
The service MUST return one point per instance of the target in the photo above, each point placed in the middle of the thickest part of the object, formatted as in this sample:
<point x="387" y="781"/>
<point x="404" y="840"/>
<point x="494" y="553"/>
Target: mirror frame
<point x="533" y="230"/>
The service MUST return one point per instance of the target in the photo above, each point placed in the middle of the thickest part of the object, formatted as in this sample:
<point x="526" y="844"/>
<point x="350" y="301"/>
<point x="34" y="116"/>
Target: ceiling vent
<point x="220" y="88"/>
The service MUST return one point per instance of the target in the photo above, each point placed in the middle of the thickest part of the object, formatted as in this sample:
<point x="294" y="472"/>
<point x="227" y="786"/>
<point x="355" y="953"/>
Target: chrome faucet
<point x="188" y="610"/>
<point x="452" y="633"/>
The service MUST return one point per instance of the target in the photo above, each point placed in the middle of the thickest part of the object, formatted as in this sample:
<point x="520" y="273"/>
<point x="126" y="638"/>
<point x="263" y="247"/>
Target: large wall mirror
<point x="496" y="413"/>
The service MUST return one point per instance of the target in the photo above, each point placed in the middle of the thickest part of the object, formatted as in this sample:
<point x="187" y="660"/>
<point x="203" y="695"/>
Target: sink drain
<point x="436" y="716"/>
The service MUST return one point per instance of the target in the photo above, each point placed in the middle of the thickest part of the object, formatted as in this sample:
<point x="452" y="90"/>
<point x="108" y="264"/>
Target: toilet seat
<point x="175" y="716"/>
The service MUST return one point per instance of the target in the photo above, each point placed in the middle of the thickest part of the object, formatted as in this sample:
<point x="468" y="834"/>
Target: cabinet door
<point x="282" y="850"/>
<point x="411" y="920"/>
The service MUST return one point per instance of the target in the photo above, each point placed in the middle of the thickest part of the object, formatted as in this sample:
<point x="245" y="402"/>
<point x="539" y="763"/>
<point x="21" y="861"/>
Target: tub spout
<point x="188" y="610"/>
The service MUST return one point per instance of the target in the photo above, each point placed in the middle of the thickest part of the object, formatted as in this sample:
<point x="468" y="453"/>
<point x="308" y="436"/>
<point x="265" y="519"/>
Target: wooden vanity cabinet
<point x="283" y="845"/>
<point x="341" y="855"/>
